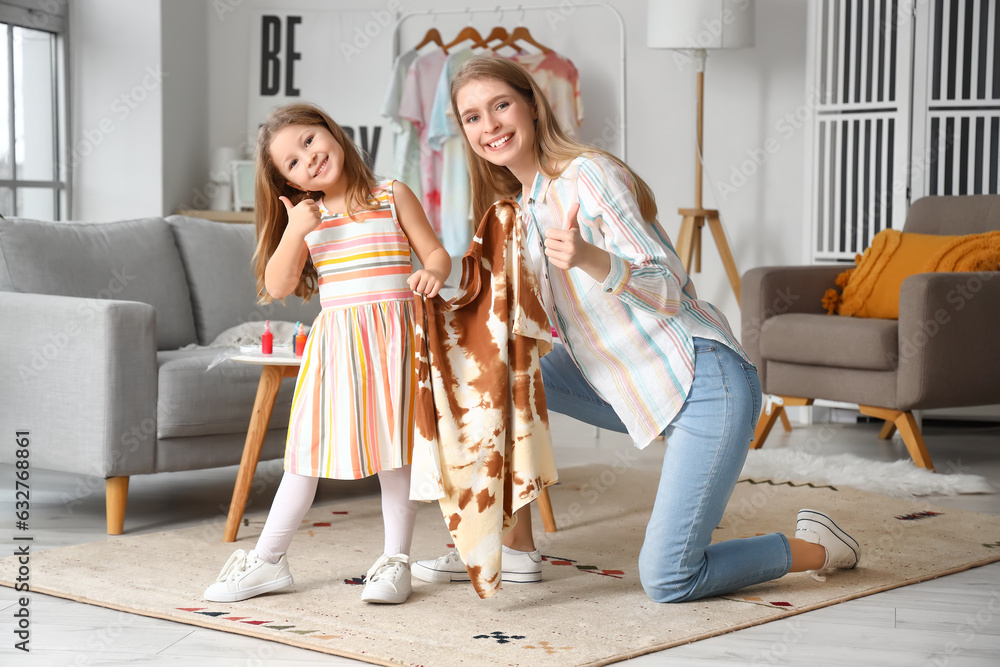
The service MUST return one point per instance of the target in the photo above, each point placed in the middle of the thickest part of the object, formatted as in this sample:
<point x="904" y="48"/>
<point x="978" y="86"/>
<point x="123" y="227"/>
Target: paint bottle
<point x="300" y="341"/>
<point x="267" y="339"/>
<point x="294" y="332"/>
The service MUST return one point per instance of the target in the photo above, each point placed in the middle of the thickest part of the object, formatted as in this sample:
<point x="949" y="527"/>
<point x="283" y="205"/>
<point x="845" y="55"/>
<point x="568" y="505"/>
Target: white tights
<point x="295" y="496"/>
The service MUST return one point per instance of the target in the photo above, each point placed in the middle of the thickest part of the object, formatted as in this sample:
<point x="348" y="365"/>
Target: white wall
<point x="185" y="104"/>
<point x="116" y="153"/>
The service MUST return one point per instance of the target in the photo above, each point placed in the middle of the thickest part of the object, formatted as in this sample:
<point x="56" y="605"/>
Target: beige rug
<point x="590" y="609"/>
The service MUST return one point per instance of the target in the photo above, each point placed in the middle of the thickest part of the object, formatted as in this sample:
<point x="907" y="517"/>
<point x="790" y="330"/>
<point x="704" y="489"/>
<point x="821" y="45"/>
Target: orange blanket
<point x="871" y="289"/>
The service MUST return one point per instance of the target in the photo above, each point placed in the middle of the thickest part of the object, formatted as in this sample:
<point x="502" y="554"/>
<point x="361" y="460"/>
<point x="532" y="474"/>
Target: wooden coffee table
<point x="274" y="368"/>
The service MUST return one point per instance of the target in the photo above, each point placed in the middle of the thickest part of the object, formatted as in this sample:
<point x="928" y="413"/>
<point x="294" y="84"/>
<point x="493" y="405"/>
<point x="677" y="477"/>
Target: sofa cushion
<point x="217" y="257"/>
<point x="839" y="342"/>
<point x="848" y="385"/>
<point x="133" y="260"/>
<point x="195" y="402"/>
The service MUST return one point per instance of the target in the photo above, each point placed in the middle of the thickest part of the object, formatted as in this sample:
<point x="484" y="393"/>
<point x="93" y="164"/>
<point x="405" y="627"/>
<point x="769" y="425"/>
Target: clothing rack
<point x="523" y="9"/>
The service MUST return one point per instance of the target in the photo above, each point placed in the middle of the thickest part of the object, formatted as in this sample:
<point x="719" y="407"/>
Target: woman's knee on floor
<point x="667" y="584"/>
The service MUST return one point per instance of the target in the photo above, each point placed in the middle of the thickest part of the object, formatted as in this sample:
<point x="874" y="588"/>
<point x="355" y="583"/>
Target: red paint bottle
<point x="267" y="339"/>
<point x="300" y="341"/>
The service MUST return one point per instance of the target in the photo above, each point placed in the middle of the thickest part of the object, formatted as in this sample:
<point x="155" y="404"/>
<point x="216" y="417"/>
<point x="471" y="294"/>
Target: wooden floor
<point x="953" y="621"/>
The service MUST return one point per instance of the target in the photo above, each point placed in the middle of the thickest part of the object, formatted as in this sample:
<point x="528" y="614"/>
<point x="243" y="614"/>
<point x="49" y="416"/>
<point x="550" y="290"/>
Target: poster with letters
<point x="338" y="60"/>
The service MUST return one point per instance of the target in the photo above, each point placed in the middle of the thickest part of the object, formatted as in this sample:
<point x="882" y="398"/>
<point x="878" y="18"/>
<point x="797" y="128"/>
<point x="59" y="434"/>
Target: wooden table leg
<point x="267" y="392"/>
<point x="545" y="509"/>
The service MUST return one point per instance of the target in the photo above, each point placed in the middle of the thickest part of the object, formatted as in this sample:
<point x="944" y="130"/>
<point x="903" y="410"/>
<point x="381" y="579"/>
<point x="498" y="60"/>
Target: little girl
<point x="324" y="224"/>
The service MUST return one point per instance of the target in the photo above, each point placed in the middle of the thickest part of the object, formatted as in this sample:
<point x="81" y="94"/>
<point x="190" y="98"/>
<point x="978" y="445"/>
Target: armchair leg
<point x="784" y="420"/>
<point x="764" y="425"/>
<point x="766" y="421"/>
<point x="115" y="496"/>
<point x="908" y="429"/>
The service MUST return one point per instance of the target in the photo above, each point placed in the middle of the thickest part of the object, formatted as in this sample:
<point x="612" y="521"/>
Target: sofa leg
<point x="116" y="494"/>
<point x="888" y="428"/>
<point x="908" y="429"/>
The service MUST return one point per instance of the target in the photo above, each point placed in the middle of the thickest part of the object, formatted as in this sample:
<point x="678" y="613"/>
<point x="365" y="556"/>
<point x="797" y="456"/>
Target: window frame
<point x="50" y="16"/>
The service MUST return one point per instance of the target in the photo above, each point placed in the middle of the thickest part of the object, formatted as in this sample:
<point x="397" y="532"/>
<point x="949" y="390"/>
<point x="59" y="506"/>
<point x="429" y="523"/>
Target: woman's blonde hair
<point x="553" y="148"/>
<point x="270" y="216"/>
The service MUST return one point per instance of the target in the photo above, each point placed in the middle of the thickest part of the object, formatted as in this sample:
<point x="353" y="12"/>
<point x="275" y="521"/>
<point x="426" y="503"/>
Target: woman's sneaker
<point x="842" y="550"/>
<point x="246" y="575"/>
<point x="444" y="570"/>
<point x="388" y="580"/>
<point x="520" y="567"/>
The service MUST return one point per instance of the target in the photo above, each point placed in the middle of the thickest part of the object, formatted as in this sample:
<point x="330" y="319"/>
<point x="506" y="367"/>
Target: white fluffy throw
<point x="899" y="479"/>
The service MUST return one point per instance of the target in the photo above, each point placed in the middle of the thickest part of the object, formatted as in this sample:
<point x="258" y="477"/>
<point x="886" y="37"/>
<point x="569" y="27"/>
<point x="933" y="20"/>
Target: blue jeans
<point x="707" y="443"/>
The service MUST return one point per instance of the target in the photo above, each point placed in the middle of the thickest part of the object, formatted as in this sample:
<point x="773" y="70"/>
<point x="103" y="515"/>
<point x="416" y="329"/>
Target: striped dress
<point x="352" y="412"/>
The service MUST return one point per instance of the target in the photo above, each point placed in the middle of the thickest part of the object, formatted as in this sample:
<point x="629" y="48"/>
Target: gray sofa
<point x="94" y="317"/>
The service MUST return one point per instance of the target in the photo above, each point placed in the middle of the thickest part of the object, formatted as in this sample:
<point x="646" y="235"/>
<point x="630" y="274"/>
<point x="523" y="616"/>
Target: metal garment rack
<point x="523" y="9"/>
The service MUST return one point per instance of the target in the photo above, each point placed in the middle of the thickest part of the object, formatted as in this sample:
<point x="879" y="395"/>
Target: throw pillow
<point x="871" y="289"/>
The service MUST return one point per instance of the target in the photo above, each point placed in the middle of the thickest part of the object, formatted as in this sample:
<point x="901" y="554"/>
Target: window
<point x="34" y="182"/>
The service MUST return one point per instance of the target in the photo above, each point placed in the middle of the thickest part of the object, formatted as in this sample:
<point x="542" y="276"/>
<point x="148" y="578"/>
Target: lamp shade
<point x="700" y="24"/>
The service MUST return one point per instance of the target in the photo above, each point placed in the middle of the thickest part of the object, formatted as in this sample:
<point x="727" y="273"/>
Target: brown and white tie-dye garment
<point x="482" y="446"/>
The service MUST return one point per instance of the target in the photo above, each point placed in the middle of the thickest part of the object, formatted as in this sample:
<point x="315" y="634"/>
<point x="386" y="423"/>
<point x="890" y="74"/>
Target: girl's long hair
<point x="554" y="149"/>
<point x="270" y="216"/>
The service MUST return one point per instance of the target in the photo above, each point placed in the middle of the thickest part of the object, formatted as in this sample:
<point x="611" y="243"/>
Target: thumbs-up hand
<point x="302" y="217"/>
<point x="565" y="247"/>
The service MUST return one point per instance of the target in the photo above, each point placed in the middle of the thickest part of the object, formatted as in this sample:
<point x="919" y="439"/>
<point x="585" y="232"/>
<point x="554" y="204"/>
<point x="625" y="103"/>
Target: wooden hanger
<point x="522" y="33"/>
<point x="498" y="32"/>
<point x="432" y="36"/>
<point x="466" y="33"/>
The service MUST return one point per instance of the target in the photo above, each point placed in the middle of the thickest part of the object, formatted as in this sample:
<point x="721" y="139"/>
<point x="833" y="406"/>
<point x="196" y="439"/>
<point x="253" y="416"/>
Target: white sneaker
<point x="444" y="570"/>
<point x="388" y="580"/>
<point x="516" y="568"/>
<point x="246" y="575"/>
<point x="842" y="551"/>
<point x="521" y="567"/>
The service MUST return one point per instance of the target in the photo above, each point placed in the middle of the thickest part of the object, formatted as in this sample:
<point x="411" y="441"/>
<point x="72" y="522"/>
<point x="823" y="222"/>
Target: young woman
<point x="641" y="353"/>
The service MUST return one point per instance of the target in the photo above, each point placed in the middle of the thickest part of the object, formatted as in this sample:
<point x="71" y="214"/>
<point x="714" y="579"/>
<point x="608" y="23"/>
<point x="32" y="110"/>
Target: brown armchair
<point x="939" y="354"/>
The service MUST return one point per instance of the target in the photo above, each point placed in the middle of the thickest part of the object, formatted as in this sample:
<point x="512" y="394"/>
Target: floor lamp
<point x="693" y="26"/>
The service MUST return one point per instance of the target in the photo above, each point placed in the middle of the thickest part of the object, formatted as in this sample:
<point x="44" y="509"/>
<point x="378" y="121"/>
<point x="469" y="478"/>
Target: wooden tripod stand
<point x="689" y="239"/>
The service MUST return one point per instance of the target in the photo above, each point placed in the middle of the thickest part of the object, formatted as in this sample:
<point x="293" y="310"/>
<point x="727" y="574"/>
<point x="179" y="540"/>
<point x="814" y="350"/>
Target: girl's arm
<point x="432" y="255"/>
<point x="284" y="268"/>
<point x="627" y="256"/>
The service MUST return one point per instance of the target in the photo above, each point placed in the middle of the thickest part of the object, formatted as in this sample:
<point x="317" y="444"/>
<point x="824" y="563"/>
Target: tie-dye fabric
<point x="352" y="411"/>
<point x="482" y="446"/>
